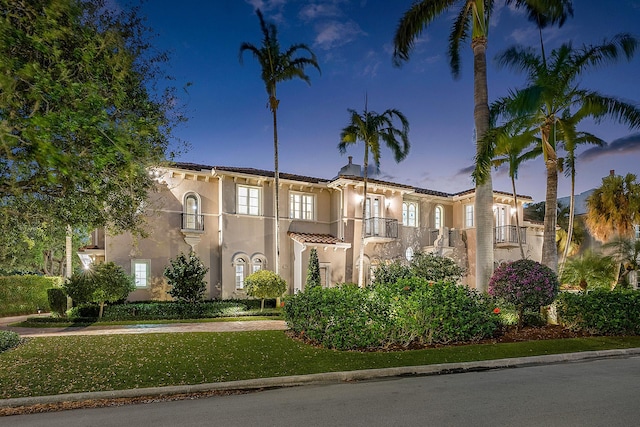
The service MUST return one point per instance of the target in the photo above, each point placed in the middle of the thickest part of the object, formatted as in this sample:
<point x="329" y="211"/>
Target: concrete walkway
<point x="235" y="326"/>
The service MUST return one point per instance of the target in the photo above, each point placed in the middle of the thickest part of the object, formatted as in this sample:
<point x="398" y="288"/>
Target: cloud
<point x="266" y="5"/>
<point x="626" y="145"/>
<point x="332" y="34"/>
<point x="315" y="11"/>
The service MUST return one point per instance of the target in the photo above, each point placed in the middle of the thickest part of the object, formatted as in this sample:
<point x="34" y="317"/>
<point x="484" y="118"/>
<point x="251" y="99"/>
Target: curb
<point x="326" y="378"/>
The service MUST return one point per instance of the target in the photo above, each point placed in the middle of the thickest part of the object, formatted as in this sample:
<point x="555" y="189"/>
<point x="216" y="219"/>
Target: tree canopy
<point x="80" y="119"/>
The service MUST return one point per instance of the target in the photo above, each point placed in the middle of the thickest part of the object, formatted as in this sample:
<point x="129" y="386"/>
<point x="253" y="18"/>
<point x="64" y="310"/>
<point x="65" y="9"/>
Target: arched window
<point x="410" y="214"/>
<point x="240" y="263"/>
<point x="191" y="217"/>
<point x="438" y="217"/>
<point x="408" y="254"/>
<point x="258" y="262"/>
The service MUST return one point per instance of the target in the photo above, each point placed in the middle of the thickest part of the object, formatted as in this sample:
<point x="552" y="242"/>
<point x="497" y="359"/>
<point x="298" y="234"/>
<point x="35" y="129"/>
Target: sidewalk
<point x="235" y="326"/>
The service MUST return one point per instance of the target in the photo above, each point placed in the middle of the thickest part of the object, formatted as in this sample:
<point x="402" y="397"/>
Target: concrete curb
<point x="326" y="378"/>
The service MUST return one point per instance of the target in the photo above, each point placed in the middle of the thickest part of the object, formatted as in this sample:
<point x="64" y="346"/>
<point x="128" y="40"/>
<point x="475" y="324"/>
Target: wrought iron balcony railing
<point x="193" y="222"/>
<point x="508" y="234"/>
<point x="381" y="227"/>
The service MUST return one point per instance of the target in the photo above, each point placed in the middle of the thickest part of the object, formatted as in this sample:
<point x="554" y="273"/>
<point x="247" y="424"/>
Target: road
<point x="594" y="393"/>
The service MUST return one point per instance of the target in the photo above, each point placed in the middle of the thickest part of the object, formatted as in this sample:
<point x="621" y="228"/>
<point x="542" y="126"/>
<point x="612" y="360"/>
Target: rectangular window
<point x="468" y="216"/>
<point x="141" y="269"/>
<point x="248" y="200"/>
<point x="637" y="232"/>
<point x="301" y="206"/>
<point x="240" y="276"/>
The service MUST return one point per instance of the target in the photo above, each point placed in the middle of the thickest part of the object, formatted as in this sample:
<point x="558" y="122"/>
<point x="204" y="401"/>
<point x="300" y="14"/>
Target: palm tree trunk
<point x="549" y="248"/>
<point x="276" y="239"/>
<point x="572" y="201"/>
<point x="515" y="202"/>
<point x="484" y="192"/>
<point x="364" y="217"/>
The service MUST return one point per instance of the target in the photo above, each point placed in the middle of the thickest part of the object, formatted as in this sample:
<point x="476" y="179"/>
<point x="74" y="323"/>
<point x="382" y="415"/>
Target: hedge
<point x="25" y="294"/>
<point x="601" y="312"/>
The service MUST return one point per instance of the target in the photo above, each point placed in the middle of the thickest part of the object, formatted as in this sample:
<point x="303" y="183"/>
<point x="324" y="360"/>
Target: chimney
<point x="612" y="172"/>
<point x="351" y="159"/>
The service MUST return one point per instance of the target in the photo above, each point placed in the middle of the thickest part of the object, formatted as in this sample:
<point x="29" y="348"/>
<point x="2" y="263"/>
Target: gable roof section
<point x="315" y="238"/>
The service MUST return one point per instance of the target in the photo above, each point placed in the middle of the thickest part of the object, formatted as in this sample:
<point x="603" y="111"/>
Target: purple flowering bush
<point x="524" y="283"/>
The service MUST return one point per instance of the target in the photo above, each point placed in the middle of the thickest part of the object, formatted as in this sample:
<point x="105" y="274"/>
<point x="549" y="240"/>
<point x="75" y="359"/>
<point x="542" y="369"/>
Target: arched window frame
<point x="240" y="263"/>
<point x="258" y="262"/>
<point x="192" y="218"/>
<point x="438" y="217"/>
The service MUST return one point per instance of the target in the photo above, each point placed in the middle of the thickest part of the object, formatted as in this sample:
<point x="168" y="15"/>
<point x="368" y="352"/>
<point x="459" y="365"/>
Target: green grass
<point x="62" y="324"/>
<point x="68" y="364"/>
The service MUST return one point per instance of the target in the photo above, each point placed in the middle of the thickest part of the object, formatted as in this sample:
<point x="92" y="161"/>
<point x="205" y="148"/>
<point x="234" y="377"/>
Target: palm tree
<point x="547" y="101"/>
<point x="614" y="208"/>
<point x="371" y="127"/>
<point x="589" y="271"/>
<point x="506" y="146"/>
<point x="474" y="15"/>
<point x="278" y="66"/>
<point x="626" y="251"/>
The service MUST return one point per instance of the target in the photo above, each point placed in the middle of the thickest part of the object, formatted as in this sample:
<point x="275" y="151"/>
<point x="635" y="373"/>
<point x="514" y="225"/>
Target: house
<point x="226" y="215"/>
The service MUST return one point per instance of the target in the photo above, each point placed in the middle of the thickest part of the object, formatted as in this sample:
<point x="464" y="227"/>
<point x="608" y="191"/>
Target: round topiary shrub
<point x="524" y="283"/>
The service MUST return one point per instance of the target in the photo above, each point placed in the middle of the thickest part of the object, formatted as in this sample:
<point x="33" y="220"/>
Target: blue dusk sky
<point x="230" y="125"/>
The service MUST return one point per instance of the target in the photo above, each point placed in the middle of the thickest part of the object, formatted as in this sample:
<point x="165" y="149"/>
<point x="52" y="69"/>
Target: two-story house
<point x="226" y="215"/>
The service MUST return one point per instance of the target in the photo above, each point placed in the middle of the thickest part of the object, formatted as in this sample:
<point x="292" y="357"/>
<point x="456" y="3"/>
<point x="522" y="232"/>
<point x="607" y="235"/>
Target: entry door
<point x="501" y="216"/>
<point x="372" y="210"/>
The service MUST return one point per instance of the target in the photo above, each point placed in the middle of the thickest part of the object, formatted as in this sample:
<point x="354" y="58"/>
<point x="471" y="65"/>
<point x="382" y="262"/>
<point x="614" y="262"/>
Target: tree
<point x="371" y="127"/>
<point x="313" y="271"/>
<point x="185" y="275"/>
<point x="474" y="15"/>
<point x="626" y="251"/>
<point x="278" y="66"/>
<point x="265" y="284"/>
<point x="79" y="125"/>
<point x="614" y="208"/>
<point x="552" y="92"/>
<point x="106" y="282"/>
<point x="589" y="271"/>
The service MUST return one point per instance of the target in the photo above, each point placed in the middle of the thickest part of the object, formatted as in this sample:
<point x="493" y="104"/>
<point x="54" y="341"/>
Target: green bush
<point x="173" y="310"/>
<point x="425" y="312"/>
<point x="106" y="282"/>
<point x="57" y="301"/>
<point x="525" y="283"/>
<point x="313" y="271"/>
<point x="428" y="266"/>
<point x="25" y="294"/>
<point x="344" y="317"/>
<point x="265" y="284"/>
<point x="8" y="340"/>
<point x="601" y="312"/>
<point x="186" y="275"/>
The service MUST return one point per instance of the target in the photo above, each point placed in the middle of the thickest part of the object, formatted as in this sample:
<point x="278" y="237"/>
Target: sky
<point x="226" y="103"/>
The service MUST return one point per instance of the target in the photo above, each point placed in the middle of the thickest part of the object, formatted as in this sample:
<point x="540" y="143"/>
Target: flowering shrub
<point x="524" y="283"/>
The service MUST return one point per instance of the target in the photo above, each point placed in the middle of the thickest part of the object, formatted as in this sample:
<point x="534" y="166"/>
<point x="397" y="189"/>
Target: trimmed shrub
<point x="186" y="278"/>
<point x="264" y="284"/>
<point x="601" y="312"/>
<point x="525" y="284"/>
<point x="345" y="317"/>
<point x="428" y="266"/>
<point x="173" y="310"/>
<point x="313" y="271"/>
<point x="25" y="294"/>
<point x="57" y="301"/>
<point x="8" y="340"/>
<point x="426" y="312"/>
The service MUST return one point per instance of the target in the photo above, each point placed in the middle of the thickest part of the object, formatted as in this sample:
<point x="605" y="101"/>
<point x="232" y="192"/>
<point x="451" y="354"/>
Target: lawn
<point x="68" y="364"/>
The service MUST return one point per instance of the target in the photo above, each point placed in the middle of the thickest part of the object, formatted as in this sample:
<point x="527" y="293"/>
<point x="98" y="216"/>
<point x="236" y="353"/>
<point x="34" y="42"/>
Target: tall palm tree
<point x="278" y="66"/>
<point x="473" y="15"/>
<point x="370" y="128"/>
<point x="614" y="208"/>
<point x="510" y="145"/>
<point x="552" y="92"/>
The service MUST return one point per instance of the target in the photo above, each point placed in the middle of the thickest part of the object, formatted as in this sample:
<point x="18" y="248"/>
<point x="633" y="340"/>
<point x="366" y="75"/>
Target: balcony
<point x="380" y="229"/>
<point x="192" y="222"/>
<point x="506" y="236"/>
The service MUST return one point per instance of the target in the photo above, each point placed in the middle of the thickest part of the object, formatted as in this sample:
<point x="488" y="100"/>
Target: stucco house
<point x="226" y="215"/>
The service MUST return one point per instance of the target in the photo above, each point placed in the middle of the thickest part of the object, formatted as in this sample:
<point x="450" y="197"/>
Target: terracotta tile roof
<point x="472" y="190"/>
<point x="249" y="171"/>
<point x="323" y="239"/>
<point x="374" y="181"/>
<point x="432" y="192"/>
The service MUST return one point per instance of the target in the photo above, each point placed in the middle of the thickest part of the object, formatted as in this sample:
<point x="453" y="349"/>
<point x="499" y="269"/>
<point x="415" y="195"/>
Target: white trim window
<point x="468" y="216"/>
<point x="302" y="206"/>
<point x="248" y="200"/>
<point x="191" y="212"/>
<point x="437" y="217"/>
<point x="637" y="227"/>
<point x="141" y="269"/>
<point x="240" y="266"/>
<point x="258" y="263"/>
<point x="410" y="214"/>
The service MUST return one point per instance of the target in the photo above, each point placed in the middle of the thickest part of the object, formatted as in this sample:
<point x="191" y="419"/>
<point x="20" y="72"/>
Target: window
<point x="240" y="266"/>
<point x="301" y="206"/>
<point x="468" y="216"/>
<point x="140" y="269"/>
<point x="372" y="212"/>
<point x="637" y="227"/>
<point x="191" y="219"/>
<point x="258" y="263"/>
<point x="410" y="214"/>
<point x="408" y="254"/>
<point x="248" y="200"/>
<point x="438" y="217"/>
